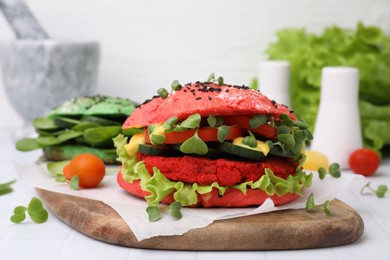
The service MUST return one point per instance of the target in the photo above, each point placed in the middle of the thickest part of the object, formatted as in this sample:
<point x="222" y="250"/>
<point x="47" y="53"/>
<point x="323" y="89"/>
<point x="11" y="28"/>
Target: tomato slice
<point x="242" y="121"/>
<point x="207" y="134"/>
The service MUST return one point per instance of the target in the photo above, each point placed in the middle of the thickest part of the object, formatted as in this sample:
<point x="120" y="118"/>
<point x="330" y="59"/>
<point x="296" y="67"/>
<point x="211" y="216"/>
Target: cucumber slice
<point x="239" y="151"/>
<point x="158" y="151"/>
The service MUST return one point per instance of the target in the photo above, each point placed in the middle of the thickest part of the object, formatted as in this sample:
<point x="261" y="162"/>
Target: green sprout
<point x="6" y="188"/>
<point x="310" y="205"/>
<point x="379" y="192"/>
<point x="162" y="92"/>
<point x="176" y="85"/>
<point x="35" y="210"/>
<point x="334" y="171"/>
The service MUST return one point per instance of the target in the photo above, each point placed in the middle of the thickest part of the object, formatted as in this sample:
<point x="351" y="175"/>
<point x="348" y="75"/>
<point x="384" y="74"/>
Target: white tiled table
<point x="55" y="240"/>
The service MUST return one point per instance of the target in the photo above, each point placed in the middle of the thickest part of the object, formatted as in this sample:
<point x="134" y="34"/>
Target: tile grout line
<point x="67" y="244"/>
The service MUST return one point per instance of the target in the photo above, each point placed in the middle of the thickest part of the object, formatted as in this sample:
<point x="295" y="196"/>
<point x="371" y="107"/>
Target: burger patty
<point x="225" y="172"/>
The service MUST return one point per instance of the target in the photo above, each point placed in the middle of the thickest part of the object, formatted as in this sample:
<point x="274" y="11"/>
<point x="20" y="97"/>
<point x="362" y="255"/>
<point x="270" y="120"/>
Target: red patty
<point x="225" y="172"/>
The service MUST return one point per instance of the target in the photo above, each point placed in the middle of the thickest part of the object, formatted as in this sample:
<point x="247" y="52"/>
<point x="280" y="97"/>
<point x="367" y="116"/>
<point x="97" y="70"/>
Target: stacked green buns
<point x="81" y="125"/>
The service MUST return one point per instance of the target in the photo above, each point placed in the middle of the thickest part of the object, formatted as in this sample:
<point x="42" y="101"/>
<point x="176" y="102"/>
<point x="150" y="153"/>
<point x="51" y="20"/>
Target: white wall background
<point x="146" y="44"/>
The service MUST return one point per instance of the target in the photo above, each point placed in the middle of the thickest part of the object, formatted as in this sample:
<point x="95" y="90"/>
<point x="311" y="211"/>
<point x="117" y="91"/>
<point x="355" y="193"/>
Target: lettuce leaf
<point x="365" y="47"/>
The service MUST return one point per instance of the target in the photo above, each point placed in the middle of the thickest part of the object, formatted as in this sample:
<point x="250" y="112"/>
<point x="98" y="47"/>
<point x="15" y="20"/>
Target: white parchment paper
<point x="133" y="210"/>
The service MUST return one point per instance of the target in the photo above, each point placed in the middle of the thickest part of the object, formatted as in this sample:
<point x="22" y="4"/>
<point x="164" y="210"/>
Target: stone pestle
<point x="21" y="20"/>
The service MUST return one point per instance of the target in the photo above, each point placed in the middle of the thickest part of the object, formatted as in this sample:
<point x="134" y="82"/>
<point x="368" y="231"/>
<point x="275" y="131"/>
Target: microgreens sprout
<point x="379" y="192"/>
<point x="6" y="188"/>
<point x="250" y="140"/>
<point x="310" y="205"/>
<point x="334" y="171"/>
<point x="35" y="210"/>
<point x="154" y="213"/>
<point x="175" y="210"/>
<point x="223" y="132"/>
<point x="176" y="85"/>
<point x="73" y="183"/>
<point x="214" y="121"/>
<point x="194" y="145"/>
<point x="169" y="125"/>
<point x="162" y="92"/>
<point x="257" y="121"/>
<point x="192" y="122"/>
<point x="212" y="78"/>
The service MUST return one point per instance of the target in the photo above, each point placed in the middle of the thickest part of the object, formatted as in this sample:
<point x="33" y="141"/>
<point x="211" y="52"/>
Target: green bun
<point x="67" y="152"/>
<point x="113" y="107"/>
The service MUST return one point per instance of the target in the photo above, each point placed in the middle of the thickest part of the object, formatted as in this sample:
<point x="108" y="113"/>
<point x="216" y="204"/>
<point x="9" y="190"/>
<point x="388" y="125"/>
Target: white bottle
<point x="337" y="131"/>
<point x="274" y="80"/>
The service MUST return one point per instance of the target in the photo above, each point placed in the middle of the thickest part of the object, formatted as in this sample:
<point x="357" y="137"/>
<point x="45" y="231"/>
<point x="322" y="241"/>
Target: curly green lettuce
<point x="366" y="48"/>
<point x="159" y="186"/>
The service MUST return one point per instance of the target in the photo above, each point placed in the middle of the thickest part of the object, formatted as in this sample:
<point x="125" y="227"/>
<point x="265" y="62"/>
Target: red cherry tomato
<point x="88" y="167"/>
<point x="364" y="161"/>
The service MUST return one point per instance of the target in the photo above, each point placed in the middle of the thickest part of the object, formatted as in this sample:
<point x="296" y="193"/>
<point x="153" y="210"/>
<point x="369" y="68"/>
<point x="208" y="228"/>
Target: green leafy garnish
<point x="6" y="188"/>
<point x="194" y="145"/>
<point x="175" y="210"/>
<point x="257" y="121"/>
<point x="212" y="78"/>
<point x="322" y="172"/>
<point x="310" y="205"/>
<point x="220" y="81"/>
<point x="192" y="122"/>
<point x="60" y="178"/>
<point x="154" y="213"/>
<point x="326" y="208"/>
<point x="162" y="92"/>
<point x="176" y="85"/>
<point x="334" y="170"/>
<point x="250" y="140"/>
<point x="214" y="121"/>
<point x="223" y="132"/>
<point x="287" y="140"/>
<point x="35" y="210"/>
<point x="74" y="182"/>
<point x="169" y="124"/>
<point x="379" y="192"/>
<point x="19" y="214"/>
<point x="157" y="139"/>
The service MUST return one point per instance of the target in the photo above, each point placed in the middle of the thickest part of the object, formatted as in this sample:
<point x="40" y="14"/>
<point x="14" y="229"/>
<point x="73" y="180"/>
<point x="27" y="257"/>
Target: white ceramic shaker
<point x="337" y="131"/>
<point x="274" y="80"/>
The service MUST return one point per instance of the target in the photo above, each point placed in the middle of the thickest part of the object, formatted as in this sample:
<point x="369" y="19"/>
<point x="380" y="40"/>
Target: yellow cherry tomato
<point x="315" y="160"/>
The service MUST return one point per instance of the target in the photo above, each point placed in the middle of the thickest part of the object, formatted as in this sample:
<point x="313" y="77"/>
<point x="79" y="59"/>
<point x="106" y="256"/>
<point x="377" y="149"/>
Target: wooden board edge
<point x="258" y="232"/>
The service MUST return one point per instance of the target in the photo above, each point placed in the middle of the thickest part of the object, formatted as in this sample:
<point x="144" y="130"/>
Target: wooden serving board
<point x="287" y="229"/>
